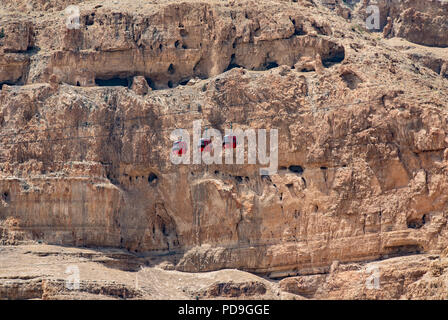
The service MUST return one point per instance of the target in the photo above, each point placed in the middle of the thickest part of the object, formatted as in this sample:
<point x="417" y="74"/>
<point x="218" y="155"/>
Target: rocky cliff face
<point x="422" y="22"/>
<point x="86" y="116"/>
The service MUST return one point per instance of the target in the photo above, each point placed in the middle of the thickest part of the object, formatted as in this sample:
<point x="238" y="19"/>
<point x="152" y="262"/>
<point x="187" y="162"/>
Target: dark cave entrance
<point x="113" y="82"/>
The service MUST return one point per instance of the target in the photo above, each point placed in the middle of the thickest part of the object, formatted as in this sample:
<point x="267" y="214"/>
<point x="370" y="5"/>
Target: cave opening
<point x="333" y="58"/>
<point x="8" y="83"/>
<point x="232" y="64"/>
<point x="171" y="69"/>
<point x="184" y="82"/>
<point x="270" y="65"/>
<point x="90" y="19"/>
<point x="5" y="196"/>
<point x="152" y="177"/>
<point x="296" y="169"/>
<point x="416" y="223"/>
<point x="298" y="29"/>
<point x="267" y="178"/>
<point x="113" y="82"/>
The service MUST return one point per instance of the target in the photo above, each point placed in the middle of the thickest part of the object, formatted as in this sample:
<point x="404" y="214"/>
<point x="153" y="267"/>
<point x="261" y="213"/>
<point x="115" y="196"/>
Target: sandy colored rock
<point x="140" y="86"/>
<point x="362" y="173"/>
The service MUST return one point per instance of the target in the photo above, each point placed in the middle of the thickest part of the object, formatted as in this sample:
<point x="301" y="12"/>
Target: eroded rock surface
<point x="86" y="117"/>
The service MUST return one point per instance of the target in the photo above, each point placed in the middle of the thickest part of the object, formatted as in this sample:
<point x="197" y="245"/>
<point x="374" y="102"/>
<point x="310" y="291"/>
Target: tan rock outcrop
<point x="140" y="86"/>
<point x="419" y="21"/>
<point x="362" y="172"/>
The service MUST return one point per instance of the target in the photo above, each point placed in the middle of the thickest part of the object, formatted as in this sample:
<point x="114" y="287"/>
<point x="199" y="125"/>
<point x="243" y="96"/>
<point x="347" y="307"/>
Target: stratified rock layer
<point x="86" y="117"/>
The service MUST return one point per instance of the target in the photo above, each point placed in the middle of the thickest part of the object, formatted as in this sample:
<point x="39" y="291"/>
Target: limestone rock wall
<point x="85" y="159"/>
<point x="419" y="21"/>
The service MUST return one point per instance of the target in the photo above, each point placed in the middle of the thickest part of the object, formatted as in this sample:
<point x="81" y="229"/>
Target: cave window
<point x="171" y="69"/>
<point x="152" y="177"/>
<point x="113" y="82"/>
<point x="164" y="230"/>
<point x="184" y="82"/>
<point x="271" y="65"/>
<point x="296" y="169"/>
<point x="150" y="83"/>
